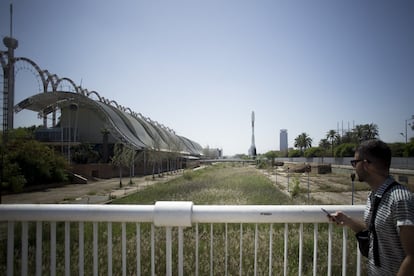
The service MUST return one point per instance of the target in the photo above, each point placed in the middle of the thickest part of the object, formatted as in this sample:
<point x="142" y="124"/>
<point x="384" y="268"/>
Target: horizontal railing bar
<point x="269" y="213"/>
<point x="199" y="213"/>
<point x="76" y="212"/>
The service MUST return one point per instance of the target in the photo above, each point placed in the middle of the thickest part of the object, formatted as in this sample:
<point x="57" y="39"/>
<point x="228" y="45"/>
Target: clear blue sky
<point x="202" y="67"/>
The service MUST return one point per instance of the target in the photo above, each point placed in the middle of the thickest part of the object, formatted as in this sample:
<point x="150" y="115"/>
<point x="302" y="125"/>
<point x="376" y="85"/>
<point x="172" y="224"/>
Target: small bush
<point x="314" y="152"/>
<point x="188" y="175"/>
<point x="295" y="153"/>
<point x="17" y="183"/>
<point x="262" y="165"/>
<point x="345" y="150"/>
<point x="295" y="189"/>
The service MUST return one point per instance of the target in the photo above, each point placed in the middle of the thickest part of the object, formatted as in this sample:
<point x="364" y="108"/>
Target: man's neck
<point x="376" y="181"/>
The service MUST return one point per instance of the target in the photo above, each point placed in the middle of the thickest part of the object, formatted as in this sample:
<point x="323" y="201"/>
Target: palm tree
<point x="324" y="144"/>
<point x="359" y="132"/>
<point x="366" y="132"/>
<point x="349" y="137"/>
<point x="371" y="131"/>
<point x="333" y="136"/>
<point x="303" y="141"/>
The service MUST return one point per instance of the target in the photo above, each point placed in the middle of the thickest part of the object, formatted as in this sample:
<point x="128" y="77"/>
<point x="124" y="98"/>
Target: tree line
<point x="337" y="145"/>
<point x="26" y="162"/>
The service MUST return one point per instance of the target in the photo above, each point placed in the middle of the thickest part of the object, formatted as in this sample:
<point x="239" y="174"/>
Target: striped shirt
<point x="395" y="209"/>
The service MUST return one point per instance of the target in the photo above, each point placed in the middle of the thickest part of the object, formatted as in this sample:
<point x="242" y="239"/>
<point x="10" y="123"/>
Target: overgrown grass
<point x="221" y="184"/>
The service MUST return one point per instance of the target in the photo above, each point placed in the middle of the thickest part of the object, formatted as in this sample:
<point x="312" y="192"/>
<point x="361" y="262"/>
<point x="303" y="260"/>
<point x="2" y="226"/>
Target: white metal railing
<point x="224" y="239"/>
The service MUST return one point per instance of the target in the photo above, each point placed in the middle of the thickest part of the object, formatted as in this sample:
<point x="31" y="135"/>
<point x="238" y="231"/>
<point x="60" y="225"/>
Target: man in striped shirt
<point x="392" y="252"/>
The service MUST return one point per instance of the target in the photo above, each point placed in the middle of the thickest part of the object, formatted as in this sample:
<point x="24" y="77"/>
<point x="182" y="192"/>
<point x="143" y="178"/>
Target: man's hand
<point x="340" y="218"/>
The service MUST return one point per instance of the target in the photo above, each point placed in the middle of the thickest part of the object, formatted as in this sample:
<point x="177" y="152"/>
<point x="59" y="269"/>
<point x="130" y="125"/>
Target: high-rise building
<point x="283" y="140"/>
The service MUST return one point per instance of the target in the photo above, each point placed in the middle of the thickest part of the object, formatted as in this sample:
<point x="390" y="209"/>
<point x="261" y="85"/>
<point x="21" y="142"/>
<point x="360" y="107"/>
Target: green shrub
<point x="314" y="152"/>
<point x="295" y="153"/>
<point x="28" y="162"/>
<point x="262" y="164"/>
<point x="345" y="150"/>
<point x="188" y="175"/>
<point x="295" y="191"/>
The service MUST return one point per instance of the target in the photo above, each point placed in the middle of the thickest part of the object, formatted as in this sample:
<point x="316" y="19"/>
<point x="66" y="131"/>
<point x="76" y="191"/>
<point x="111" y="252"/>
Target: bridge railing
<point x="176" y="238"/>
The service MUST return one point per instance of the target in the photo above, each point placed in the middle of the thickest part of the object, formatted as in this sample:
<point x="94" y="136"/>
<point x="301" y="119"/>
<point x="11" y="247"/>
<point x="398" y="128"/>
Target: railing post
<point x="256" y="244"/>
<point x="285" y="259"/>
<point x="180" y="251"/>
<point x="241" y="249"/>
<point x="270" y="248"/>
<point x="124" y="249"/>
<point x="39" y="248"/>
<point x="53" y="248"/>
<point x="168" y="251"/>
<point x="315" y="249"/>
<point x="95" y="249"/>
<point x="196" y="249"/>
<point x="211" y="250"/>
<point x="25" y="246"/>
<point x="300" y="248"/>
<point x="67" y="248"/>
<point x="330" y="249"/>
<point x="109" y="244"/>
<point x="81" y="265"/>
<point x="344" y="249"/>
<point x="138" y="248"/>
<point x="152" y="250"/>
<point x="10" y="248"/>
<point x="358" y="271"/>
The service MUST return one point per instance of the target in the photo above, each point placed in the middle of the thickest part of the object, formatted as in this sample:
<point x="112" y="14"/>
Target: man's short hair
<point x="376" y="151"/>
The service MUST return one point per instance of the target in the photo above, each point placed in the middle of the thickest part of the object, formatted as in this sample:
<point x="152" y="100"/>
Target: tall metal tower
<point x="8" y="83"/>
<point x="252" y="150"/>
<point x="8" y="93"/>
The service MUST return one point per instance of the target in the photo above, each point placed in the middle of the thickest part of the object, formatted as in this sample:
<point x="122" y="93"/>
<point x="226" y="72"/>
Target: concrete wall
<point x="403" y="176"/>
<point x="396" y="162"/>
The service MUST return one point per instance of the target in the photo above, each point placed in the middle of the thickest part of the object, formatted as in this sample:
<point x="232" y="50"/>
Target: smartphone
<point x="326" y="212"/>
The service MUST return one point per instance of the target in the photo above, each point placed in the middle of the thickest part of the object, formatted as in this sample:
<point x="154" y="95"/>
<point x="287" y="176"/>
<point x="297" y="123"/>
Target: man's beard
<point x="360" y="178"/>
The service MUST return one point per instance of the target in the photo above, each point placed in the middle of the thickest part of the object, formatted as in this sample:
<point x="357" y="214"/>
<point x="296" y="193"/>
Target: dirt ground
<point x="101" y="191"/>
<point x="95" y="192"/>
<point x="323" y="188"/>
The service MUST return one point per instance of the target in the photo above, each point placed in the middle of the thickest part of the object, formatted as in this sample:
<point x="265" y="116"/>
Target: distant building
<point x="212" y="153"/>
<point x="283" y="140"/>
<point x="102" y="124"/>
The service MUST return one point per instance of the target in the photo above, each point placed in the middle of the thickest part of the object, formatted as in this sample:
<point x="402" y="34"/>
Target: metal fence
<point x="406" y="163"/>
<point x="176" y="238"/>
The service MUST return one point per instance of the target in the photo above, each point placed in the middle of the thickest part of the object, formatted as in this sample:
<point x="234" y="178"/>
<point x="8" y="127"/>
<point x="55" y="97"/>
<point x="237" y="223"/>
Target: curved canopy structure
<point x="89" y="119"/>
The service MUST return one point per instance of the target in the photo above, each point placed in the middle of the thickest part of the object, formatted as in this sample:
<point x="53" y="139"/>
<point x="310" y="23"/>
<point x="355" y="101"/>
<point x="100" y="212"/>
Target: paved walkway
<point x="95" y="192"/>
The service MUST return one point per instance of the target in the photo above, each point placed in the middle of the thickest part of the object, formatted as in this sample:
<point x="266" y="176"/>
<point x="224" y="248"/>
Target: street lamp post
<point x="353" y="187"/>
<point x="288" y="180"/>
<point x="276" y="175"/>
<point x="406" y="124"/>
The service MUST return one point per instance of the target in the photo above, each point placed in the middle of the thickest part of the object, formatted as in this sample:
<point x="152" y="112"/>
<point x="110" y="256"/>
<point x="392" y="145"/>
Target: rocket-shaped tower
<point x="252" y="150"/>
